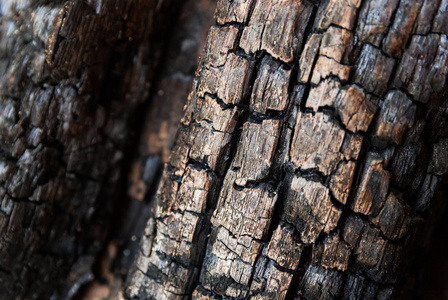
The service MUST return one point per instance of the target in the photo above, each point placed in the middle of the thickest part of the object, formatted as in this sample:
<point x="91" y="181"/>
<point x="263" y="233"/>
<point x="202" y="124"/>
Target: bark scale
<point x="308" y="155"/>
<point x="304" y="167"/>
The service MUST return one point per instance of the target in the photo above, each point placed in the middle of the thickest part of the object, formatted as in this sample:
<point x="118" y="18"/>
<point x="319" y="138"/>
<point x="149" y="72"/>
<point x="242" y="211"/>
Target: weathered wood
<point x="440" y="23"/>
<point x="332" y="254"/>
<point x="260" y="141"/>
<point x="234" y="204"/>
<point x="395" y="41"/>
<point x="73" y="74"/>
<point x="392" y="220"/>
<point x="283" y="247"/>
<point x="309" y="208"/>
<point x="233" y="11"/>
<point x="308" y="56"/>
<point x="355" y="108"/>
<point x="424" y="66"/>
<point x="337" y="44"/>
<point x="426" y="17"/>
<point x="373" y="254"/>
<point x="327" y="67"/>
<point x="229" y="262"/>
<point x="342" y="180"/>
<point x="373" y="60"/>
<point x="226" y="81"/>
<point x="372" y="190"/>
<point x="270" y="90"/>
<point x="320" y="283"/>
<point x="304" y="186"/>
<point x="375" y="18"/>
<point x="170" y="88"/>
<point x="270" y="281"/>
<point x="272" y="17"/>
<point x="439" y="162"/>
<point x="309" y="153"/>
<point x="335" y="12"/>
<point x="396" y="115"/>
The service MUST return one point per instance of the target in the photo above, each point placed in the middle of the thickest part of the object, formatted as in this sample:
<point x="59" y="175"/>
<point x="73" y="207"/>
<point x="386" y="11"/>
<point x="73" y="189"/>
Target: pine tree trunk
<point x="310" y="149"/>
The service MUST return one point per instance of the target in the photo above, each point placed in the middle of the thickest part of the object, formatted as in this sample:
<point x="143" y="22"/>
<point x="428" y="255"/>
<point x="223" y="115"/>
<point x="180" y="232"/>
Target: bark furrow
<point x="309" y="152"/>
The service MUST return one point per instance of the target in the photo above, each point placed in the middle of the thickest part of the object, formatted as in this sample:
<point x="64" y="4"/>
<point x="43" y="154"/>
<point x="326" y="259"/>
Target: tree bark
<point x="73" y="75"/>
<point x="305" y="165"/>
<point x="309" y="152"/>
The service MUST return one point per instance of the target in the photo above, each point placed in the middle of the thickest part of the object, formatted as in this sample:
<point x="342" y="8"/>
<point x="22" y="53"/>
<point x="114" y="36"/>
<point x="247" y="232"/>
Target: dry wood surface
<point x="310" y="149"/>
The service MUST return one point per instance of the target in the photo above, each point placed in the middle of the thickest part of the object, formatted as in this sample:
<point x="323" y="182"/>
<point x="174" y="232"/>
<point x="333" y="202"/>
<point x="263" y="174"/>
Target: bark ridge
<point x="309" y="151"/>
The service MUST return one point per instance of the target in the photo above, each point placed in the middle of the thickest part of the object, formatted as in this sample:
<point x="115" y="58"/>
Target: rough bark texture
<point x="170" y="90"/>
<point x="308" y="155"/>
<point x="73" y="74"/>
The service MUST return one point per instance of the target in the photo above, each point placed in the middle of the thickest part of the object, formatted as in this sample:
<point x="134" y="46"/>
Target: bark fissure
<point x="311" y="146"/>
<point x="327" y="177"/>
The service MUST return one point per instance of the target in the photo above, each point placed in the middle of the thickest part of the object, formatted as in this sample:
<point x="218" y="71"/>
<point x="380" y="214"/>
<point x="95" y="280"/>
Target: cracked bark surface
<point x="73" y="75"/>
<point x="308" y="156"/>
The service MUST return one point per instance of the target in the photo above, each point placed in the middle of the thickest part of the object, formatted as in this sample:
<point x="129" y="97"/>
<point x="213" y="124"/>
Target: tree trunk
<point x="73" y="75"/>
<point x="309" y="152"/>
<point x="304" y="167"/>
